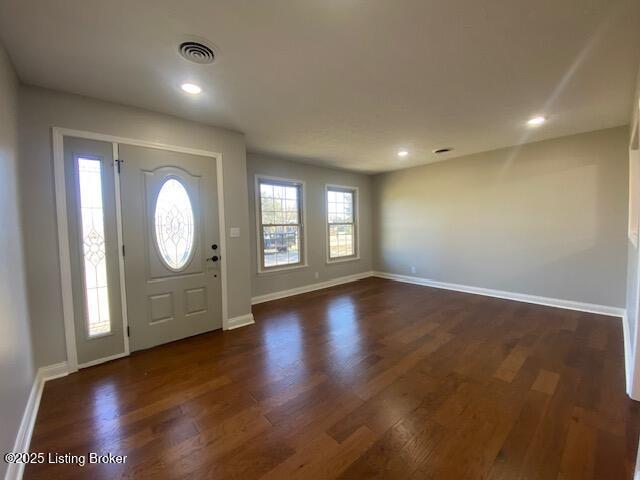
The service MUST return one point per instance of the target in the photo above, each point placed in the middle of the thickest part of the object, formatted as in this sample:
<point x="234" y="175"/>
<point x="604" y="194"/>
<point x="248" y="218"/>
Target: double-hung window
<point x="342" y="223"/>
<point x="280" y="227"/>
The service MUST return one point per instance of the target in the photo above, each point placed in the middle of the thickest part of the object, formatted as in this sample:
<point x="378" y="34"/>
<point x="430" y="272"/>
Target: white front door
<point x="171" y="240"/>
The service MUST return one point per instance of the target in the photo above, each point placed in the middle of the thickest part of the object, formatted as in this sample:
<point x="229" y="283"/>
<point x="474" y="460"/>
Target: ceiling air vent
<point x="443" y="150"/>
<point x="197" y="52"/>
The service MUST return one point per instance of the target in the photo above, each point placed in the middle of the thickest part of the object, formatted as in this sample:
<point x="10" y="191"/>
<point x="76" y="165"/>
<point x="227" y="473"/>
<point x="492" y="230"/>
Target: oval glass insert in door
<point x="174" y="225"/>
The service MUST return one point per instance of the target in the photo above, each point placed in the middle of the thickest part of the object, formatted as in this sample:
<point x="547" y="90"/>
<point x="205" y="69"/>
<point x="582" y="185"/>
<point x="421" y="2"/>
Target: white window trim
<point x="351" y="258"/>
<point x="303" y="225"/>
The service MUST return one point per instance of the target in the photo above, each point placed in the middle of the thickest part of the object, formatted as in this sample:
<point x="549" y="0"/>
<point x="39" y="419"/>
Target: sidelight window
<point x="98" y="317"/>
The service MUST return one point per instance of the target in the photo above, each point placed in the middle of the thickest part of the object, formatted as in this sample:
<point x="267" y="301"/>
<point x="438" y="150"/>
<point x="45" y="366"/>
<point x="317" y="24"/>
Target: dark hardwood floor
<point x="373" y="379"/>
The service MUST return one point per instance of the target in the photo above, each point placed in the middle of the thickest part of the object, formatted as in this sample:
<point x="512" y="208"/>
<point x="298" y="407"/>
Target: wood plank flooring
<point x="373" y="379"/>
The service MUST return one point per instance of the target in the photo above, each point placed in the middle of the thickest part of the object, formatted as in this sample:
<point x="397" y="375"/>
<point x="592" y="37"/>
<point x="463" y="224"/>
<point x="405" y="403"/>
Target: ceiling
<point x="346" y="83"/>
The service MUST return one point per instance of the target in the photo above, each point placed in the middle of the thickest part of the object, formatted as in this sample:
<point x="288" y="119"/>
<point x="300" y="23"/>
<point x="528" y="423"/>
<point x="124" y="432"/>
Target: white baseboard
<point x="53" y="371"/>
<point x="241" y="321"/>
<point x="23" y="438"/>
<point x="309" y="288"/>
<point x="93" y="363"/>
<point x="520" y="297"/>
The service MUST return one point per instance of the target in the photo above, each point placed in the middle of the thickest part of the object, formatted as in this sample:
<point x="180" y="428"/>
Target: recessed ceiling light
<point x="536" y="121"/>
<point x="403" y="153"/>
<point x="191" y="88"/>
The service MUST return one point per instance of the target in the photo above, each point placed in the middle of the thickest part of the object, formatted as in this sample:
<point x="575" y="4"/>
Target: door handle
<point x="215" y="258"/>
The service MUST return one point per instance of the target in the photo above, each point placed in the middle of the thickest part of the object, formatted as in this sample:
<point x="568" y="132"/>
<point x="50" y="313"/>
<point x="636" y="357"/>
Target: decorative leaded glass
<point x="174" y="224"/>
<point x="98" y="317"/>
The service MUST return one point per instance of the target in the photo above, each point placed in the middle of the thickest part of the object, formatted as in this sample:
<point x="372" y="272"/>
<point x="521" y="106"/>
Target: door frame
<point x="64" y="254"/>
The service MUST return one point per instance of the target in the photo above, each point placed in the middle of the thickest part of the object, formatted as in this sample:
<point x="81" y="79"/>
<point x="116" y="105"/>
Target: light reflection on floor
<point x="106" y="410"/>
<point x="345" y="334"/>
<point x="283" y="345"/>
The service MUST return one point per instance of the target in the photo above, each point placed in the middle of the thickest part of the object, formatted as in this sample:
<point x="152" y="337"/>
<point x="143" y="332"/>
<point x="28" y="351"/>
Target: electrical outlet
<point x="413" y="269"/>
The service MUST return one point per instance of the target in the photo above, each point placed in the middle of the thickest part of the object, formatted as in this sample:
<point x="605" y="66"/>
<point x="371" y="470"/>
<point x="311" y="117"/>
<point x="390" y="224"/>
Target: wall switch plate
<point x="317" y="275"/>
<point x="234" y="232"/>
<point x="413" y="269"/>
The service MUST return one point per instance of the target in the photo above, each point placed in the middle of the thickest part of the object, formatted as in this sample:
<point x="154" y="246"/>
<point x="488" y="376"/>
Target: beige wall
<point x="315" y="179"/>
<point x="40" y="110"/>
<point x="16" y="364"/>
<point x="546" y="219"/>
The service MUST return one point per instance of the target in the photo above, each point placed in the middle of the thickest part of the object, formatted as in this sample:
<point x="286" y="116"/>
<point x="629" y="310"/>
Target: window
<point x="96" y="289"/>
<point x="341" y="223"/>
<point x="174" y="224"/>
<point x="279" y="216"/>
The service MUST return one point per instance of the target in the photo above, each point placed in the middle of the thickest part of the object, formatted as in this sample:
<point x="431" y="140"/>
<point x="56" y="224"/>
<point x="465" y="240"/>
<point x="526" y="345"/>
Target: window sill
<point x="282" y="269"/>
<point x="342" y="260"/>
<point x="99" y="335"/>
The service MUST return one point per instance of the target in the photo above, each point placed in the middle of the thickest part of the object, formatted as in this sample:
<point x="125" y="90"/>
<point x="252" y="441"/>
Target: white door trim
<point x="123" y="287"/>
<point x="63" y="233"/>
